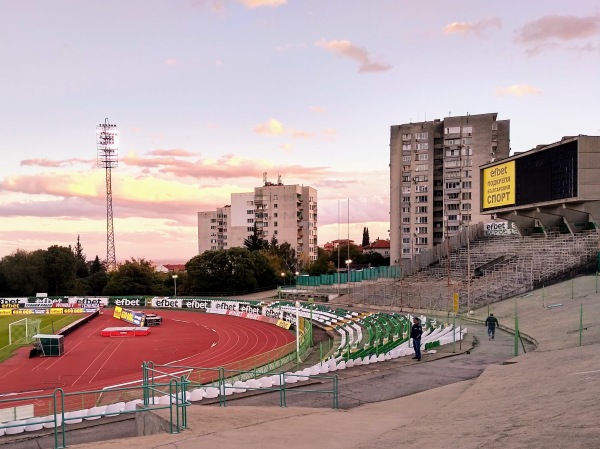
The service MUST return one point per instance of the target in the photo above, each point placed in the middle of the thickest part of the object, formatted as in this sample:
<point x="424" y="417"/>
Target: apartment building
<point x="286" y="212"/>
<point x="434" y="178"/>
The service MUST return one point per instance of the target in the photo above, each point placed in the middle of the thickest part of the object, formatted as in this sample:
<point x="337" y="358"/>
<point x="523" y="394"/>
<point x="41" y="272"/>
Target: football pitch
<point x="49" y="325"/>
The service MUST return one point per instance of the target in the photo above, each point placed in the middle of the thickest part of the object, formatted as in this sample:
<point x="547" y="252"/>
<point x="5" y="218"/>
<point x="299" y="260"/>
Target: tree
<point x="227" y="271"/>
<point x="365" y="238"/>
<point x="22" y="273"/>
<point x="323" y="264"/>
<point x="82" y="269"/>
<point x="134" y="277"/>
<point x="60" y="270"/>
<point x="254" y="242"/>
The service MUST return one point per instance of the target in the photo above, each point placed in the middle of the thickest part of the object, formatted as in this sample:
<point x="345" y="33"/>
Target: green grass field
<point x="49" y="325"/>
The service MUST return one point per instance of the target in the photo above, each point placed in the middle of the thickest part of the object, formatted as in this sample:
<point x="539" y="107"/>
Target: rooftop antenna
<point x="279" y="180"/>
<point x="264" y="178"/>
<point x="107" y="144"/>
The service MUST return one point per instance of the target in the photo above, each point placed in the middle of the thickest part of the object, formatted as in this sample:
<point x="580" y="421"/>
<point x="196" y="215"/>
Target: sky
<point x="210" y="94"/>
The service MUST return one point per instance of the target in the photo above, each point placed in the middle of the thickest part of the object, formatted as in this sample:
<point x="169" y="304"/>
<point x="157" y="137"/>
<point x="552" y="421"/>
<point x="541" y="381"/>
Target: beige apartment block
<point x="286" y="212"/>
<point x="434" y="178"/>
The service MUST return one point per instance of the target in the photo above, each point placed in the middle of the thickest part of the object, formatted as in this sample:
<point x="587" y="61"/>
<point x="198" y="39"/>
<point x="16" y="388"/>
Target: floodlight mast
<point x="107" y="142"/>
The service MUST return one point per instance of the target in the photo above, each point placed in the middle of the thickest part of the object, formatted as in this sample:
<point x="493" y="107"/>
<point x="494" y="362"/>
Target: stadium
<point x="281" y="368"/>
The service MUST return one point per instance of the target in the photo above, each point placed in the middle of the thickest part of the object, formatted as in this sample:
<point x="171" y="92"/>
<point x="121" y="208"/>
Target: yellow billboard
<point x="498" y="185"/>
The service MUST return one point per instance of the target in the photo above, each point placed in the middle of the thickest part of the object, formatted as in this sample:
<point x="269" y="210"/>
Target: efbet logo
<point x="129" y="302"/>
<point x="173" y="303"/>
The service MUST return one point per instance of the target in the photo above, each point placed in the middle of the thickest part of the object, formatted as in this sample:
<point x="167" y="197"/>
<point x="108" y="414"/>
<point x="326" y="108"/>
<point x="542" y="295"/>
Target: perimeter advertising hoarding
<point x="498" y="185"/>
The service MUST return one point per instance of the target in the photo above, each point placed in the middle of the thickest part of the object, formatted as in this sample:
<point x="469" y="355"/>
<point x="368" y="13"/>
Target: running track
<point x="91" y="362"/>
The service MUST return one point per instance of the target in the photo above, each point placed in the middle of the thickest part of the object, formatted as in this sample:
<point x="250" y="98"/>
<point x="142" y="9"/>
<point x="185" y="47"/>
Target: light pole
<point x="175" y="280"/>
<point x="283" y="277"/>
<point x="348" y="262"/>
<point x="297" y="274"/>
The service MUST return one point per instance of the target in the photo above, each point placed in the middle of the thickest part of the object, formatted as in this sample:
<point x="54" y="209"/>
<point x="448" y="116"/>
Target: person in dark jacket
<point x="491" y="322"/>
<point x="415" y="333"/>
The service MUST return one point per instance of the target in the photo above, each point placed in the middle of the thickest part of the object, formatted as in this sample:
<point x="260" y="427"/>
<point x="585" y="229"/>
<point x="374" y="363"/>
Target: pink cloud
<point x="262" y="3"/>
<point x="318" y="109"/>
<point x="172" y="152"/>
<point x="272" y="127"/>
<point x="347" y="49"/>
<point x="172" y="61"/>
<point x="56" y="163"/>
<point x="476" y="28"/>
<point x="518" y="90"/>
<point x="549" y="31"/>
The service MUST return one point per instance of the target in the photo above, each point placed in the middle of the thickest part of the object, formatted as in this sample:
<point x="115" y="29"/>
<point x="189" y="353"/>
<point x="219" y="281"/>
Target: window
<point x="274" y="197"/>
<point x="406" y="136"/>
<point x="495" y="126"/>
<point x="422" y="146"/>
<point x="451" y="153"/>
<point x="438" y="193"/>
<point x="451" y="206"/>
<point x="467" y="130"/>
<point x="420" y="188"/>
<point x="406" y="230"/>
<point x="452" y="228"/>
<point x="466" y="184"/>
<point x="467" y="141"/>
<point x="405" y="189"/>
<point x="438" y="204"/>
<point x="453" y="174"/>
<point x="466" y="195"/>
<point x="421" y="157"/>
<point x="466" y="217"/>
<point x="467" y="162"/>
<point x="421" y="240"/>
<point x="249" y="229"/>
<point x="274" y="223"/>
<point x="250" y="220"/>
<point x="406" y="168"/>
<point x="406" y="199"/>
<point x="405" y="178"/>
<point x="422" y="136"/>
<point x="452" y="185"/>
<point x="452" y="217"/>
<point x="449" y="142"/>
<point x="405" y="250"/>
<point x="467" y="173"/>
<point x="421" y="199"/>
<point x="405" y="219"/>
<point x="275" y="206"/>
<point x="452" y="164"/>
<point x="422" y="230"/>
<point x="249" y="203"/>
<point x="406" y="147"/>
<point x="421" y="209"/>
<point x="467" y="151"/>
<point x="422" y="167"/>
<point x="275" y="215"/>
<point x="466" y="206"/>
<point x="405" y="239"/>
<point x="421" y="220"/>
<point x="452" y="130"/>
<point x="406" y="158"/>
<point x="421" y="178"/>
<point x="453" y="196"/>
<point x="250" y="211"/>
<point x="406" y="210"/>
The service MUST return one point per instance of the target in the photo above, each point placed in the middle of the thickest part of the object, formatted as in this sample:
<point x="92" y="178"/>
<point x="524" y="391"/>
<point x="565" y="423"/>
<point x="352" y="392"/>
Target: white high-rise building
<point x="434" y="178"/>
<point x="286" y="212"/>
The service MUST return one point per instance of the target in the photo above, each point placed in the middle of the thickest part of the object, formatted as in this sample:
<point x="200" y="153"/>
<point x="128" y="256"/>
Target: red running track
<point x="91" y="362"/>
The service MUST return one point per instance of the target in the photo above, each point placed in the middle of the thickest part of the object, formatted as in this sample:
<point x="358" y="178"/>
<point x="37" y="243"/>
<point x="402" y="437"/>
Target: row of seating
<point x="72" y="417"/>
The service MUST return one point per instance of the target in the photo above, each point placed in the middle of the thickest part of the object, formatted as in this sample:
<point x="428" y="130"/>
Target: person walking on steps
<point x="415" y="333"/>
<point x="491" y="322"/>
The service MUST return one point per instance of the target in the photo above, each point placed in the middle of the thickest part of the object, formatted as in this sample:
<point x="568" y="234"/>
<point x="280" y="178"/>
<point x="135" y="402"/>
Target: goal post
<point x="21" y="332"/>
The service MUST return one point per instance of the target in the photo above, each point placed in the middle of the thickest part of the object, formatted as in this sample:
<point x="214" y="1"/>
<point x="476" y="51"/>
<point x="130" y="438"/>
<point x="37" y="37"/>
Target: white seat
<point x="19" y="427"/>
<point x="341" y="365"/>
<point x="197" y="394"/>
<point x="315" y="370"/>
<point x="182" y="397"/>
<point x="381" y="358"/>
<point x="239" y="386"/>
<point x="115" y="409"/>
<point x="374" y="359"/>
<point x="366" y="360"/>
<point x="350" y="363"/>
<point x="357" y="361"/>
<point x="75" y="417"/>
<point x="290" y="378"/>
<point x="211" y="392"/>
<point x="276" y="378"/>
<point x="33" y="424"/>
<point x="132" y="405"/>
<point x="96" y="411"/>
<point x="263" y="382"/>
<point x="1" y="431"/>
<point x="256" y="383"/>
<point x="163" y="400"/>
<point x="227" y="389"/>
<point x="50" y="418"/>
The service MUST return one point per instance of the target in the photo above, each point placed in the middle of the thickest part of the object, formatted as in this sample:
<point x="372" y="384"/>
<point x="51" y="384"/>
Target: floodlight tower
<point x="107" y="142"/>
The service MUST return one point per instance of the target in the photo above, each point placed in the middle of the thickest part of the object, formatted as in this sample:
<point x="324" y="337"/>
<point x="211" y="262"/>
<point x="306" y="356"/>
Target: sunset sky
<point x="209" y="94"/>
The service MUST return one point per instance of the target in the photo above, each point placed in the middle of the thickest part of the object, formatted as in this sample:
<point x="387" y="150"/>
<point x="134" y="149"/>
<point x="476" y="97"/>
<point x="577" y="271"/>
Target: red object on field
<point x="125" y="332"/>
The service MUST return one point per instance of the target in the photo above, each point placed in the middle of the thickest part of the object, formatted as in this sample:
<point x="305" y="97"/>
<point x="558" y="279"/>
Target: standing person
<point x="415" y="333"/>
<point x="491" y="322"/>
